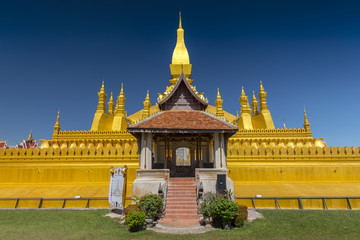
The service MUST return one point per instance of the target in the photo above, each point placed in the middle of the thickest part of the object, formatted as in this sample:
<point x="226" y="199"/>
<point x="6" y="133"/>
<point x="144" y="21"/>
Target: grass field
<point x="91" y="224"/>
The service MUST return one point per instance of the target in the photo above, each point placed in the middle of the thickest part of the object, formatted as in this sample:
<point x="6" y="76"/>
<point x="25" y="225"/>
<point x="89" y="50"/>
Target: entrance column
<point x="211" y="151"/>
<point x="222" y="146"/>
<point x="217" y="160"/>
<point x="148" y="151"/>
<point x="142" y="151"/>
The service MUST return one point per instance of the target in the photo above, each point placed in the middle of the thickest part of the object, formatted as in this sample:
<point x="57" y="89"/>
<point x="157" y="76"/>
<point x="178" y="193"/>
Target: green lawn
<point x="90" y="224"/>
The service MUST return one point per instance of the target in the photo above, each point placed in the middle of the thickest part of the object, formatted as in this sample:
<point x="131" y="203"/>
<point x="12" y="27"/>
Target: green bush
<point x="225" y="212"/>
<point x="242" y="216"/>
<point x="207" y="204"/>
<point x="151" y="204"/>
<point x="135" y="220"/>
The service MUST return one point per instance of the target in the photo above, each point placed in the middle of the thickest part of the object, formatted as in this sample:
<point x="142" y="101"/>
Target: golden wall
<point x="78" y="163"/>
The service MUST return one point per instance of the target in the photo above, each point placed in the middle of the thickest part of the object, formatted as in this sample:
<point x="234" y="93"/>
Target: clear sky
<point x="54" y="55"/>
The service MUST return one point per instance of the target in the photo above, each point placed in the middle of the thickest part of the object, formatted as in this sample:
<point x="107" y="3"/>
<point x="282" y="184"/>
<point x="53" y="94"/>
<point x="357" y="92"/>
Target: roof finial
<point x="218" y="104"/>
<point x="306" y="121"/>
<point x="180" y="26"/>
<point x="146" y="112"/>
<point x="57" y="124"/>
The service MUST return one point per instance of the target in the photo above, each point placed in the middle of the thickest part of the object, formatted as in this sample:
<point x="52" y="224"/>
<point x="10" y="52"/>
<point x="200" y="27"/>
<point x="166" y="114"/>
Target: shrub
<point x="130" y="208"/>
<point x="135" y="220"/>
<point x="151" y="204"/>
<point x="225" y="212"/>
<point x="242" y="216"/>
<point x="207" y="204"/>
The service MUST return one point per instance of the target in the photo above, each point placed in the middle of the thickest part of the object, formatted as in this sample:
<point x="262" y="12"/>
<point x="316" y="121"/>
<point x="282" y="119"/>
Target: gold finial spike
<point x="102" y="89"/>
<point x="180" y="54"/>
<point x="111" y="105"/>
<point x="306" y="121"/>
<point x="180" y="25"/>
<point x="146" y="112"/>
<point x="261" y="87"/>
<point x="57" y="124"/>
<point x="254" y="97"/>
<point x="218" y="104"/>
<point x="242" y="91"/>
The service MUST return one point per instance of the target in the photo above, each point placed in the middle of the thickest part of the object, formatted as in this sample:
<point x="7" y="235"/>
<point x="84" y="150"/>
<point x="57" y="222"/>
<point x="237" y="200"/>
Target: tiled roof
<point x="184" y="120"/>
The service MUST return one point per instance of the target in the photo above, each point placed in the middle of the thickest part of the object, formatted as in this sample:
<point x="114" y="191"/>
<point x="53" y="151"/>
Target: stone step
<point x="181" y="211"/>
<point x="182" y="191"/>
<point x="185" y="187"/>
<point x="182" y="179"/>
<point x="175" y="194"/>
<point x="181" y="216"/>
<point x="178" y="185"/>
<point x="180" y="203"/>
<point x="181" y="199"/>
<point x="180" y="206"/>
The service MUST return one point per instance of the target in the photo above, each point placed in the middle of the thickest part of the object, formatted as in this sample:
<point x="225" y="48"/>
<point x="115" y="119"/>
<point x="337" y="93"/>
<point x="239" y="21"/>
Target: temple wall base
<point x="207" y="177"/>
<point x="150" y="181"/>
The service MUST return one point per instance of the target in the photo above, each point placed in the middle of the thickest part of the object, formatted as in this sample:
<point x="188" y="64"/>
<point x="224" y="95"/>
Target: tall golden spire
<point x="111" y="105"/>
<point x="102" y="97"/>
<point x="180" y="54"/>
<point x="147" y="105"/>
<point x="218" y="104"/>
<point x="306" y="122"/>
<point x="57" y="125"/>
<point x="254" y="104"/>
<point x="120" y="106"/>
<point x="262" y="97"/>
<point x="180" y="58"/>
<point x="244" y="102"/>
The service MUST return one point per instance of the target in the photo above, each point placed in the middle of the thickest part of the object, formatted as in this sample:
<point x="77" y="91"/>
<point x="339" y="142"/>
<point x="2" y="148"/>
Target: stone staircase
<point x="181" y="206"/>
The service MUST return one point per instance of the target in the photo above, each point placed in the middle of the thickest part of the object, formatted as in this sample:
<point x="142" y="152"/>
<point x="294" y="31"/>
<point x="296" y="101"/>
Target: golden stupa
<point x="257" y="158"/>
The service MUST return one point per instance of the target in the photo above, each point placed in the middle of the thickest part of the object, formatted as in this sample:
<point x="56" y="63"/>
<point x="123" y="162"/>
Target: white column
<point x="217" y="160"/>
<point x="148" y="152"/>
<point x="222" y="146"/>
<point x="211" y="151"/>
<point x="155" y="151"/>
<point x="142" y="151"/>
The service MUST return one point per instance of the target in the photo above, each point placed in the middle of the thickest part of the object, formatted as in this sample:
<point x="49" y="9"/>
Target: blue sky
<point x="54" y="55"/>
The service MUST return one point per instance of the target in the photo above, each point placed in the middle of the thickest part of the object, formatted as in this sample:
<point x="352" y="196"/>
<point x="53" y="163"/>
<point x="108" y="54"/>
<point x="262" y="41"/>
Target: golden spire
<point x="57" y="125"/>
<point x="262" y="97"/>
<point x="306" y="122"/>
<point x="120" y="106"/>
<point x="180" y="54"/>
<point x="102" y="97"/>
<point x="244" y="102"/>
<point x="147" y="105"/>
<point x="254" y="104"/>
<point x="111" y="105"/>
<point x="218" y="104"/>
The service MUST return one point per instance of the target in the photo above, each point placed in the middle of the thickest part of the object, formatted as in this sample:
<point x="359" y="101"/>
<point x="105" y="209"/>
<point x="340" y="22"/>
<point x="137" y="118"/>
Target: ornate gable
<point x="182" y="97"/>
